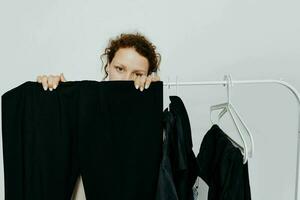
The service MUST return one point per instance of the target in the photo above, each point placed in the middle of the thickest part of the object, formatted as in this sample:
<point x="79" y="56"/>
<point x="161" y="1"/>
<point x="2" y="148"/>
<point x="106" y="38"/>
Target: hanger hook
<point x="176" y="85"/>
<point x="229" y="84"/>
<point x="226" y="78"/>
<point x="169" y="85"/>
<point x="167" y="93"/>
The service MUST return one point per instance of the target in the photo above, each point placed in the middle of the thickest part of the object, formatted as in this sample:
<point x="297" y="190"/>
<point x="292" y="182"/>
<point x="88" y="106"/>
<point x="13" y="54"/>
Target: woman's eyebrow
<point x="121" y="65"/>
<point x="140" y="70"/>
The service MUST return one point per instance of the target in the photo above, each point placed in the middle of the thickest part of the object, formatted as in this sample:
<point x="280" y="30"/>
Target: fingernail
<point x="141" y="88"/>
<point x="136" y="86"/>
<point x="50" y="89"/>
<point x="54" y="86"/>
<point x="45" y="88"/>
<point x="146" y="86"/>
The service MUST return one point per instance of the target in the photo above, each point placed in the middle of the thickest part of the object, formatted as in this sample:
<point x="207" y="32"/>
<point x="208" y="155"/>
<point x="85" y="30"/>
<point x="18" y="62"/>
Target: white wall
<point x="198" y="40"/>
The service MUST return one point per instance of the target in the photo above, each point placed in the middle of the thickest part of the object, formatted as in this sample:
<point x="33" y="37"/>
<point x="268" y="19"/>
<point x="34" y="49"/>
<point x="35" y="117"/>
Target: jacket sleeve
<point x="12" y="108"/>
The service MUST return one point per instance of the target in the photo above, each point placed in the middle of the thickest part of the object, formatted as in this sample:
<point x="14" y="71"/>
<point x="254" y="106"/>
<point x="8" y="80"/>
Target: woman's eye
<point x="139" y="74"/>
<point x="119" y="68"/>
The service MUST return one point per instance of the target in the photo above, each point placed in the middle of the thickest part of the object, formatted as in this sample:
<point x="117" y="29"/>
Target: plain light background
<point x="199" y="41"/>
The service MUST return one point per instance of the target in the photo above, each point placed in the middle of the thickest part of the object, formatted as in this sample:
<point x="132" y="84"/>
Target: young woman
<point x="128" y="57"/>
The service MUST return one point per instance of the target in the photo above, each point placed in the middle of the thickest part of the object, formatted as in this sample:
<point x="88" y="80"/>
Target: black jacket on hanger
<point x="166" y="189"/>
<point x="178" y="167"/>
<point x="221" y="167"/>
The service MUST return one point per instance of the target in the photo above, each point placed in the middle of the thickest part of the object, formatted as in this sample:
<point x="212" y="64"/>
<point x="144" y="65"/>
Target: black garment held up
<point x="108" y="132"/>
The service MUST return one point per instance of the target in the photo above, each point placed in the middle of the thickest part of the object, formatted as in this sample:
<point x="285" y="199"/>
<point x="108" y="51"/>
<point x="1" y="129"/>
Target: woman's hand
<point x="50" y="81"/>
<point x="143" y="82"/>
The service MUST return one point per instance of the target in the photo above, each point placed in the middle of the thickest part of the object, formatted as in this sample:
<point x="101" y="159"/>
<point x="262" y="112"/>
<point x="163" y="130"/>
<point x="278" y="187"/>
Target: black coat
<point x="221" y="167"/>
<point x="178" y="170"/>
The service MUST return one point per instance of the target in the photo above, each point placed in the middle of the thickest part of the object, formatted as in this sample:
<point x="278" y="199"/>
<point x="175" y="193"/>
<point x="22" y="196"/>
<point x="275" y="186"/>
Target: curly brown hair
<point x="139" y="42"/>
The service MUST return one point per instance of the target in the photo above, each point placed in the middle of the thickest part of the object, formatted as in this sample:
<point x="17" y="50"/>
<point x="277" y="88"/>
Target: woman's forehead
<point x="130" y="58"/>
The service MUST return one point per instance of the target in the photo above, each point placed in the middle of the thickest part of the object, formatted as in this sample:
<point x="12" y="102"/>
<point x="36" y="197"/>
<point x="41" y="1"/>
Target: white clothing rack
<point x="287" y="85"/>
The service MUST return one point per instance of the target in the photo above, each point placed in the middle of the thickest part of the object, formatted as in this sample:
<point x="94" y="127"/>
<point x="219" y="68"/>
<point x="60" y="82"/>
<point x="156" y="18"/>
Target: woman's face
<point x="126" y="64"/>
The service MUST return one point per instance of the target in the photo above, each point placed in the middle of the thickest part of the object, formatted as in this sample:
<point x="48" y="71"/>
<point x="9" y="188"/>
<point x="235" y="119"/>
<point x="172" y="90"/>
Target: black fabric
<point x="108" y="132"/>
<point x="184" y="159"/>
<point x="221" y="167"/>
<point x="166" y="189"/>
<point x="180" y="161"/>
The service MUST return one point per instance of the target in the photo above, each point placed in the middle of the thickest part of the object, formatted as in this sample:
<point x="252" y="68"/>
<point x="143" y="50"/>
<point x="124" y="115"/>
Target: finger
<point x="148" y="81"/>
<point x="133" y="77"/>
<point x="45" y="82"/>
<point x="39" y="79"/>
<point x="56" y="81"/>
<point x="155" y="77"/>
<point x="50" y="82"/>
<point x="142" y="82"/>
<point x="62" y="77"/>
<point x="158" y="78"/>
<point x="137" y="82"/>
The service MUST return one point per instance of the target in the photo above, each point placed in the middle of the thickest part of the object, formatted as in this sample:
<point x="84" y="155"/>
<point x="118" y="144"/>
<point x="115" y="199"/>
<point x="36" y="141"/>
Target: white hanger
<point x="250" y="153"/>
<point x="228" y="107"/>
<point x="168" y="94"/>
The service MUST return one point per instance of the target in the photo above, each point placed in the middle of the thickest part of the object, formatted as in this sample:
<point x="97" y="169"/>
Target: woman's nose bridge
<point x="129" y="75"/>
